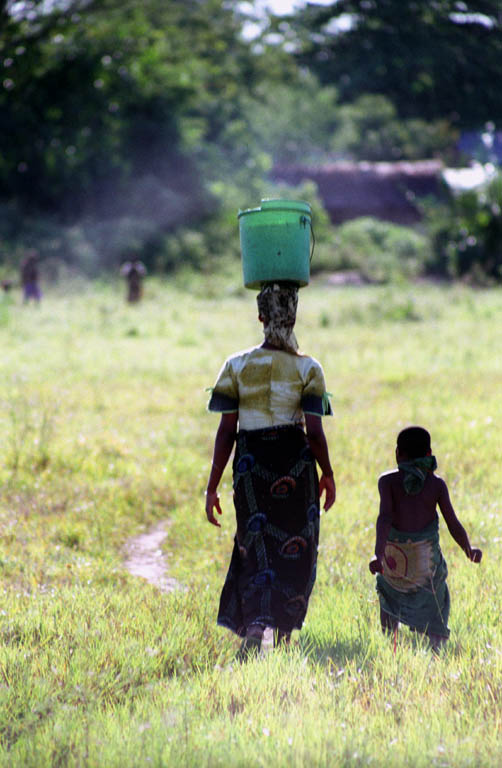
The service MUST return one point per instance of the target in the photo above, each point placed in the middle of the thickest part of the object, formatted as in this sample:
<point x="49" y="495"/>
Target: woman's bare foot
<point x="281" y="638"/>
<point x="251" y="644"/>
<point x="437" y="642"/>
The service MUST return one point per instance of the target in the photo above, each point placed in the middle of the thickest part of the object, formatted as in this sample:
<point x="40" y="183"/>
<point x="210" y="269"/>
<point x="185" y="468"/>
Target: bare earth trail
<point x="145" y="558"/>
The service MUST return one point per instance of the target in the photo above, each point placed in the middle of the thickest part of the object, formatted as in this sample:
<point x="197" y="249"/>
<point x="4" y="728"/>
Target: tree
<point x="371" y="129"/>
<point x="109" y="106"/>
<point x="466" y="236"/>
<point x="125" y="125"/>
<point x="293" y="121"/>
<point x="433" y="60"/>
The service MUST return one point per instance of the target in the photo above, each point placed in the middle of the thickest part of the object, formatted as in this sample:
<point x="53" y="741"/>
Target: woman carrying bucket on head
<point x="271" y="399"/>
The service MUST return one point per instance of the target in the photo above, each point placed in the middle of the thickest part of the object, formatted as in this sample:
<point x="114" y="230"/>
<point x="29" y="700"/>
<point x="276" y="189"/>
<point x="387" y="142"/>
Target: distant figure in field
<point x="411" y="571"/>
<point x="30" y="277"/>
<point x="133" y="271"/>
<point x="6" y="286"/>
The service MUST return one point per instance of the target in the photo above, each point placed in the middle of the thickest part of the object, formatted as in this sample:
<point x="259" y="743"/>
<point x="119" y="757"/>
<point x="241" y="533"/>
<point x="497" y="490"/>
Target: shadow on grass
<point x="361" y="649"/>
<point x="336" y="653"/>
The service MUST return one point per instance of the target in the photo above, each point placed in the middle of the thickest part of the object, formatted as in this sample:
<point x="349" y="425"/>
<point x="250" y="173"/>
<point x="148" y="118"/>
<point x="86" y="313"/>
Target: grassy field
<point x="104" y="433"/>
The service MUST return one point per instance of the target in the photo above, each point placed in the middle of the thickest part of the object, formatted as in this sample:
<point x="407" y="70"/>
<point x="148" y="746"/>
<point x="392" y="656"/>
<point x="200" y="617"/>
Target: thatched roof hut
<point x="387" y="191"/>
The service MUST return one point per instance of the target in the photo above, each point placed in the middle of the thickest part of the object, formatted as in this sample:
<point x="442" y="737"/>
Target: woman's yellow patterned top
<point x="269" y="387"/>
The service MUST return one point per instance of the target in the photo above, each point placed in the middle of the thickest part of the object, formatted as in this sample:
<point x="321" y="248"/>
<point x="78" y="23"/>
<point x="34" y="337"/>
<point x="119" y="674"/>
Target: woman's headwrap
<point x="277" y="303"/>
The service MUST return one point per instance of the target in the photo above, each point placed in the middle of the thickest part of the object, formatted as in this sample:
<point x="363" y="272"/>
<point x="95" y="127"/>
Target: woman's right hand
<point x="213" y="503"/>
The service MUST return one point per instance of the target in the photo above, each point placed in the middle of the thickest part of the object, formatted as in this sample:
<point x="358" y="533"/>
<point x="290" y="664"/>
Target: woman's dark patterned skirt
<point x="273" y="565"/>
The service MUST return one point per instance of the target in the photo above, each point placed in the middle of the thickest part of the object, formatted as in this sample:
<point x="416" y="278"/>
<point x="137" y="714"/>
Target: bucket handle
<point x="304" y="220"/>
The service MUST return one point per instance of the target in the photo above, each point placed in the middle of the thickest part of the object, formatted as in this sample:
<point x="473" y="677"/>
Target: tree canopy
<point x="112" y="92"/>
<point x="433" y="59"/>
<point x="164" y="116"/>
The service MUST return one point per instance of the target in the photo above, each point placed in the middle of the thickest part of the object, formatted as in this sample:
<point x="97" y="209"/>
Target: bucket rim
<point x="279" y="204"/>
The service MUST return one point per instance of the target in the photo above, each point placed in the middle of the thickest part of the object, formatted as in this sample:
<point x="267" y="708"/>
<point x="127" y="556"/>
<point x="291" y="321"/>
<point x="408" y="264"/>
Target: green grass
<point x="104" y="433"/>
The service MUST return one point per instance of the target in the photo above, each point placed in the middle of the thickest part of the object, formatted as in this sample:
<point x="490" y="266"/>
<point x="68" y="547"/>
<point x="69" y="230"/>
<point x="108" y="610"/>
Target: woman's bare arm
<point x="223" y="444"/>
<point x="319" y="447"/>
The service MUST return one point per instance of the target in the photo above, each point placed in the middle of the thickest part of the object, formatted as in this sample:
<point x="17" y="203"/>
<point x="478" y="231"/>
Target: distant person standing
<point x="30" y="276"/>
<point x="134" y="272"/>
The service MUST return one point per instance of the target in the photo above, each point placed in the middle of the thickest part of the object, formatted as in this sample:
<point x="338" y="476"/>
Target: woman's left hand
<point x="213" y="503"/>
<point x="327" y="484"/>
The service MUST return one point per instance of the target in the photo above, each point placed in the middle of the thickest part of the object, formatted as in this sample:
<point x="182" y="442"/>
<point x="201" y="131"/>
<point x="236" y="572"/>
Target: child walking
<point x="411" y="571"/>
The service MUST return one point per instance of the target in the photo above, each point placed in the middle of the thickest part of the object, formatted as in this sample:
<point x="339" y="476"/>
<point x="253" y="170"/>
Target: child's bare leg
<point x="388" y="622"/>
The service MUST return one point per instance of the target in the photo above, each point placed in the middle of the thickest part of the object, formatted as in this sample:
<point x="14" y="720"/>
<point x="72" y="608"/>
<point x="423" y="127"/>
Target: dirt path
<point x="144" y="558"/>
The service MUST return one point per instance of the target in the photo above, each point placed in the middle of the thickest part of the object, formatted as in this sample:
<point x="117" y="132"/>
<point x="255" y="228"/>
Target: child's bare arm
<point x="383" y="525"/>
<point x="455" y="527"/>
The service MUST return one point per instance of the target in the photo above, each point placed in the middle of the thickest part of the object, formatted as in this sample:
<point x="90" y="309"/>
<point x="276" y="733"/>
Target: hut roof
<point x="384" y="189"/>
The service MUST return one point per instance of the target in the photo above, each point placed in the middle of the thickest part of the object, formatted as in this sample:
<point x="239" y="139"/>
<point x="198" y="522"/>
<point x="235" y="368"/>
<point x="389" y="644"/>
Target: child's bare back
<point x="412" y="513"/>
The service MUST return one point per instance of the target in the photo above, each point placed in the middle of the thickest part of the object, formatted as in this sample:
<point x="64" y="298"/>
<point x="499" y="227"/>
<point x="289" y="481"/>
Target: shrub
<point x="379" y="251"/>
<point x="209" y="244"/>
<point x="371" y="129"/>
<point x="466" y="234"/>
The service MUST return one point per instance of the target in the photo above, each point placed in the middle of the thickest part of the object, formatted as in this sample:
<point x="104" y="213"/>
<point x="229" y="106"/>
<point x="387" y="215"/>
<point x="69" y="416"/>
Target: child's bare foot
<point x="388" y="622"/>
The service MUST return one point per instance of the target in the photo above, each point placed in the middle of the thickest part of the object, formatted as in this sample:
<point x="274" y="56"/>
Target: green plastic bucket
<point x="275" y="242"/>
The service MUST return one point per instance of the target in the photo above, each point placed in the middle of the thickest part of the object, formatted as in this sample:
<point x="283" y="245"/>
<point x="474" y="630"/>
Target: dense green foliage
<point x="378" y="251"/>
<point x="131" y="124"/>
<point x="114" y="102"/>
<point x="466" y="237"/>
<point x="434" y="61"/>
<point x="371" y="128"/>
<point x="140" y="129"/>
